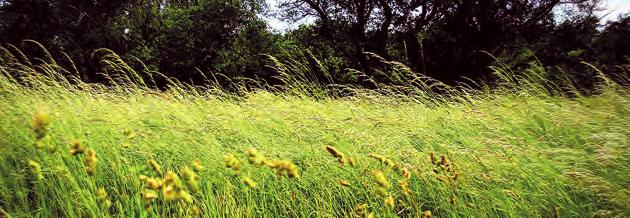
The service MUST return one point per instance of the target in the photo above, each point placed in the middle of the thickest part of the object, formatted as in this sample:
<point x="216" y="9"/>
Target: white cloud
<point x="614" y="8"/>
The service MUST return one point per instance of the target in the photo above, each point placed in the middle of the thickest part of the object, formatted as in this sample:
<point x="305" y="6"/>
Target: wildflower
<point x="232" y="163"/>
<point x="76" y="148"/>
<point x="249" y="182"/>
<point x="254" y="157"/>
<point x="426" y="214"/>
<point x="389" y="202"/>
<point x="40" y="122"/>
<point x="432" y="158"/>
<point x="380" y="178"/>
<point x="197" y="165"/>
<point x="155" y="166"/>
<point x="344" y="183"/>
<point x="35" y="170"/>
<point x="90" y="161"/>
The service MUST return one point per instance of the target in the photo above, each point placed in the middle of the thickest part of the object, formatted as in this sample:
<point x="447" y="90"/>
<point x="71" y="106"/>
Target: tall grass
<point x="518" y="148"/>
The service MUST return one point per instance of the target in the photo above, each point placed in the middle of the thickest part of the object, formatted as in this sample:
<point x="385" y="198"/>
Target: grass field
<point x="71" y="149"/>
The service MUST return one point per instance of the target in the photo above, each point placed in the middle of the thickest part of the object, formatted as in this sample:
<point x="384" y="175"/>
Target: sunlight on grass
<point x="523" y="149"/>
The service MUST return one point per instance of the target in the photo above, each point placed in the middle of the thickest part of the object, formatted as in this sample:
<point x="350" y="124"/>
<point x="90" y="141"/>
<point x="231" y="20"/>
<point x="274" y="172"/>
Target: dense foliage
<point x="225" y="39"/>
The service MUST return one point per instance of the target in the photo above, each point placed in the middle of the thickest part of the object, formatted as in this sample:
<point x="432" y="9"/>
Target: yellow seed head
<point x="426" y="214"/>
<point x="149" y="195"/>
<point x="188" y="174"/>
<point x="169" y="193"/>
<point x="35" y="170"/>
<point x="185" y="196"/>
<point x="77" y="148"/>
<point x="90" y="161"/>
<point x="254" y="157"/>
<point x="171" y="179"/>
<point x="380" y="178"/>
<point x="282" y="166"/>
<point x="197" y="165"/>
<point x="360" y="209"/>
<point x="405" y="173"/>
<point x="101" y="196"/>
<point x="155" y="166"/>
<point x="335" y="153"/>
<point x="154" y="183"/>
<point x="39" y="123"/>
<point x="232" y="163"/>
<point x="344" y="183"/>
<point x="249" y="182"/>
<point x="350" y="161"/>
<point x="195" y="211"/>
<point x="389" y="202"/>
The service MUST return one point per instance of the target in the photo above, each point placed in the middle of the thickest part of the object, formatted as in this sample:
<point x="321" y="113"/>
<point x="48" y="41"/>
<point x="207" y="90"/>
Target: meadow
<point x="519" y="148"/>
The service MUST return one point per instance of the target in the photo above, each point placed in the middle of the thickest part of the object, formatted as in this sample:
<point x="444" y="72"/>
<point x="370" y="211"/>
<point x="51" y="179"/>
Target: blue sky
<point x="613" y="8"/>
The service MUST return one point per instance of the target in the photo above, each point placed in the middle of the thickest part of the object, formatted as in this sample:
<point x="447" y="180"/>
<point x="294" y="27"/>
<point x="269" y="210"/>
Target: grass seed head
<point x="232" y="163"/>
<point x="76" y="148"/>
<point x="389" y="202"/>
<point x="254" y="157"/>
<point x="351" y="161"/>
<point x="90" y="161"/>
<point x="36" y="170"/>
<point x="39" y="123"/>
<point x="195" y="211"/>
<point x="190" y="178"/>
<point x="336" y="153"/>
<point x="183" y="195"/>
<point x="197" y="165"/>
<point x="344" y="183"/>
<point x="149" y="195"/>
<point x="360" y="210"/>
<point x="426" y="214"/>
<point x="169" y="193"/>
<point x="282" y="166"/>
<point x="249" y="182"/>
<point x="101" y="196"/>
<point x="154" y="183"/>
<point x="380" y="178"/>
<point x="155" y="166"/>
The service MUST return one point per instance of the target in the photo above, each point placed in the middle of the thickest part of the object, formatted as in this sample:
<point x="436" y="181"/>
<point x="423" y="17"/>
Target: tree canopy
<point x="447" y="40"/>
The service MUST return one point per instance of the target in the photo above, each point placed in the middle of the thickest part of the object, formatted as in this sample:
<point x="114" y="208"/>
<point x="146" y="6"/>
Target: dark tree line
<point x="447" y="40"/>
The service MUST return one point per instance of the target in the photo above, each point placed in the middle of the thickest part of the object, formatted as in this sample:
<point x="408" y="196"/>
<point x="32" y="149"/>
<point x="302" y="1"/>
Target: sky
<point x="613" y="8"/>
